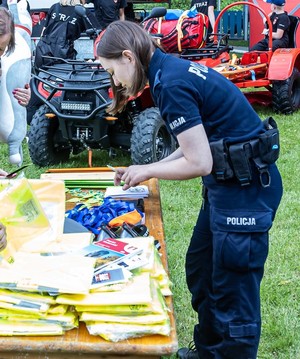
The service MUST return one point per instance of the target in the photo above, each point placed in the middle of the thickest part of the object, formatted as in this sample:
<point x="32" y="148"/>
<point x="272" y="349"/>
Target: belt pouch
<point x="239" y="157"/>
<point x="269" y="142"/>
<point x="221" y="167"/>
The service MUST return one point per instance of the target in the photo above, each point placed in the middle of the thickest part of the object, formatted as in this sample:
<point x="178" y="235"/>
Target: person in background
<point x="280" y="27"/>
<point x="7" y="46"/>
<point x="62" y="27"/>
<point x="206" y="7"/>
<point x="212" y="121"/>
<point x="108" y="11"/>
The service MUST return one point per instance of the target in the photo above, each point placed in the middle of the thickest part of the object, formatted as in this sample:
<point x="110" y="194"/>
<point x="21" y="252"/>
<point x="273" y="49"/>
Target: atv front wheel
<point x="286" y="93"/>
<point x="150" y="139"/>
<point x="42" y="147"/>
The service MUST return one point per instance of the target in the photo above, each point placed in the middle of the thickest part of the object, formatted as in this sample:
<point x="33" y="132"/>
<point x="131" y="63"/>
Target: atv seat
<point x="294" y="23"/>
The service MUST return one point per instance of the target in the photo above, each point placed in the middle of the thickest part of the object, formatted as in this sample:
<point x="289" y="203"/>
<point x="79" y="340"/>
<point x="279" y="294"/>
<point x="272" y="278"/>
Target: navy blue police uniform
<point x="229" y="246"/>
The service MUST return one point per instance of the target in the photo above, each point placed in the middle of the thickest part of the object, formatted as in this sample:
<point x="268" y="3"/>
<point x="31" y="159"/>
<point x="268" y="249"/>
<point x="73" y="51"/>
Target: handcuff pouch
<point x="239" y="155"/>
<point x="221" y="166"/>
<point x="269" y="142"/>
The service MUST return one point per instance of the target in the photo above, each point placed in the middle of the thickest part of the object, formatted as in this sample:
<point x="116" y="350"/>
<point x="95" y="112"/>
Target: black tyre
<point x="42" y="147"/>
<point x="150" y="139"/>
<point x="286" y="94"/>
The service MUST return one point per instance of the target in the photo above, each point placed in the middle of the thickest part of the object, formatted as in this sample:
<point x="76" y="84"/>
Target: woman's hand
<point x="131" y="176"/>
<point x="22" y="95"/>
<point x="192" y="159"/>
<point x="3" y="239"/>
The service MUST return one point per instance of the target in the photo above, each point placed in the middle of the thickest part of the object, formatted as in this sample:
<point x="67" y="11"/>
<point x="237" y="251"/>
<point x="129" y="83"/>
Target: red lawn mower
<point x="276" y="73"/>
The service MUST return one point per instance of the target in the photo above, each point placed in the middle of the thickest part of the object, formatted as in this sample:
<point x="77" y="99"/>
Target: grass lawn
<point x="181" y="201"/>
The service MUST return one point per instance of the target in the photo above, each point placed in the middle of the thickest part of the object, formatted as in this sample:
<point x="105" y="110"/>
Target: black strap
<point x="239" y="155"/>
<point x="221" y="166"/>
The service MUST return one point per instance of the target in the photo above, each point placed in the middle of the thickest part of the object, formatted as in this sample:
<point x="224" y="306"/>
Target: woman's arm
<point x="192" y="159"/>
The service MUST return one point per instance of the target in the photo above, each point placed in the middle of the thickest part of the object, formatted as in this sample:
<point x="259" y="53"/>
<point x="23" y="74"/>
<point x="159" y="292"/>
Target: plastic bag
<point x="54" y="274"/>
<point x="136" y="291"/>
<point x="23" y="216"/>
<point x="51" y="194"/>
<point x="115" y="332"/>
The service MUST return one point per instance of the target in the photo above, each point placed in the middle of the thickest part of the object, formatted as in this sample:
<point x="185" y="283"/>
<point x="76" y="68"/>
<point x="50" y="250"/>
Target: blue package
<point x="173" y="14"/>
<point x="192" y="12"/>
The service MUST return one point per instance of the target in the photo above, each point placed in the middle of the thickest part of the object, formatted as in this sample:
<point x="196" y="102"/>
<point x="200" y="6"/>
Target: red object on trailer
<point x="277" y="73"/>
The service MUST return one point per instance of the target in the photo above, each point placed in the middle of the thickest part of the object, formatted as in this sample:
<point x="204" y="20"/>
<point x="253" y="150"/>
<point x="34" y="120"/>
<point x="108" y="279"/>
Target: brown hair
<point x="7" y="26"/>
<point x="127" y="35"/>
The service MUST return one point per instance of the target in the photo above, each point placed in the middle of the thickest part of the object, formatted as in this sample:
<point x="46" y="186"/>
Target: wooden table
<point x="78" y="343"/>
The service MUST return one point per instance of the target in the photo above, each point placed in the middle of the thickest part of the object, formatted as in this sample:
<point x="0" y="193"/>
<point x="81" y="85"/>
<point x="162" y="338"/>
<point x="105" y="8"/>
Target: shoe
<point x="188" y="353"/>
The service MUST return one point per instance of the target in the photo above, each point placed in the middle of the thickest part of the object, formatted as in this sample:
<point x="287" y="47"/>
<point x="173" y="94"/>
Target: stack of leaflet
<point x="43" y="279"/>
<point x="29" y="288"/>
<point x="24" y="313"/>
<point x="116" y="258"/>
<point x="131" y="308"/>
<point x="33" y="212"/>
<point x="116" y="285"/>
<point x="112" y="256"/>
<point x="137" y="192"/>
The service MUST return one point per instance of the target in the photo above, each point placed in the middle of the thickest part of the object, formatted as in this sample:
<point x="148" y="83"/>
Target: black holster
<point x="235" y="160"/>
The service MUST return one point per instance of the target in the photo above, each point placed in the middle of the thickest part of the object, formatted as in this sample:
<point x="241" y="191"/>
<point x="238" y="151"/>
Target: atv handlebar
<point x="91" y="32"/>
<point x="155" y="12"/>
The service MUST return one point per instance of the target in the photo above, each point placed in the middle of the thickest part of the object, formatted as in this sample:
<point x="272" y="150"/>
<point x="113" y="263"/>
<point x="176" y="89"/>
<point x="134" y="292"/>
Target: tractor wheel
<point x="42" y="148"/>
<point x="286" y="94"/>
<point x="150" y="139"/>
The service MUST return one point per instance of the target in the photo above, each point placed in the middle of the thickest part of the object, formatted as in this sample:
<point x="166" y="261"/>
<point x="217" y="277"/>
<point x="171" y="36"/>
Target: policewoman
<point x="222" y="140"/>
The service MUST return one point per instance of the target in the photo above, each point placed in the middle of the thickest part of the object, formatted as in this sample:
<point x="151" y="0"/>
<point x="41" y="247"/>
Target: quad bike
<point x="73" y="117"/>
<point x="278" y="72"/>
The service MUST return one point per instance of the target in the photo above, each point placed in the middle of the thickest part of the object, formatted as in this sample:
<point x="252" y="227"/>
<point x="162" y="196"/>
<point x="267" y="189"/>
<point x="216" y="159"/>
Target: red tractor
<point x="276" y="73"/>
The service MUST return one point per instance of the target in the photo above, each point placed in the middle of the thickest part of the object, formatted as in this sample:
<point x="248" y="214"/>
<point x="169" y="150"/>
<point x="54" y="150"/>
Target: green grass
<point x="236" y="43"/>
<point x="181" y="201"/>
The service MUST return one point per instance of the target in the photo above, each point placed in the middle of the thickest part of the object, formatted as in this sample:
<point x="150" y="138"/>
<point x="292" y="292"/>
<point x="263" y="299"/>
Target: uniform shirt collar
<point x="156" y="63"/>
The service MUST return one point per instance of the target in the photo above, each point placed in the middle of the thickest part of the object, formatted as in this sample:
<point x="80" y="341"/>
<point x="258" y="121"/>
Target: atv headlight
<point x="76" y="106"/>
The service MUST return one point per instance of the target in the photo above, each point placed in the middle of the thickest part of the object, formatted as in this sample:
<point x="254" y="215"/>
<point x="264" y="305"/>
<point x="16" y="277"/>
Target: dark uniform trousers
<point x="225" y="265"/>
